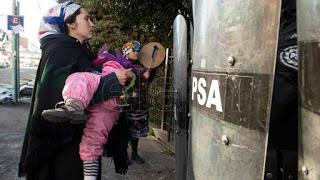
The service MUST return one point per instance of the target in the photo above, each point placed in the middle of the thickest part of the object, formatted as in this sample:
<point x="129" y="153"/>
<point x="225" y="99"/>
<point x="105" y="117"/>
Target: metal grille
<point x="160" y="99"/>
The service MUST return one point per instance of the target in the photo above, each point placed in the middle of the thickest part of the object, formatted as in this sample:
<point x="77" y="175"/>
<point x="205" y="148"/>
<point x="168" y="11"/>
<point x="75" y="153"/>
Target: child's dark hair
<point x="71" y="19"/>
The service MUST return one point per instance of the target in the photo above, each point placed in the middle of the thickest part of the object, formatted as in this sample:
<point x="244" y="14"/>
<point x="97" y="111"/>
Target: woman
<point x="78" y="91"/>
<point x="51" y="151"/>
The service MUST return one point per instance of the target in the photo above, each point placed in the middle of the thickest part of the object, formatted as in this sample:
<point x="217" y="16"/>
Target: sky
<point x="32" y="10"/>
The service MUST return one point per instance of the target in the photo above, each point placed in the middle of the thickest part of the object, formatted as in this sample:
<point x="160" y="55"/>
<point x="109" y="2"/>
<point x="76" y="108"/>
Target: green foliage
<point x="117" y="21"/>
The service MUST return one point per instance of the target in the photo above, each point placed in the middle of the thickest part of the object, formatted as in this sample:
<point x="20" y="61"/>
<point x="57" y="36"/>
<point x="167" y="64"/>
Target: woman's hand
<point x="122" y="75"/>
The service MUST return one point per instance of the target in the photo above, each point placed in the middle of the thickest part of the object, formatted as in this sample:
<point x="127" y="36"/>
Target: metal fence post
<point x="15" y="57"/>
<point x="164" y="88"/>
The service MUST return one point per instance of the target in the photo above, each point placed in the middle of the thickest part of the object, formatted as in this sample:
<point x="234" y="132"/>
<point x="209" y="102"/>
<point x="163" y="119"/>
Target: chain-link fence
<point x="160" y="98"/>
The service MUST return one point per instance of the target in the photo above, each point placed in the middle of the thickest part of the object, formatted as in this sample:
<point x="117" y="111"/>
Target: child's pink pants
<point x="102" y="116"/>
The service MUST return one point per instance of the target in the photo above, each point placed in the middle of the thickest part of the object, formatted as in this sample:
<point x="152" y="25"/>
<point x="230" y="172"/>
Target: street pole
<point x="164" y="92"/>
<point x="15" y="57"/>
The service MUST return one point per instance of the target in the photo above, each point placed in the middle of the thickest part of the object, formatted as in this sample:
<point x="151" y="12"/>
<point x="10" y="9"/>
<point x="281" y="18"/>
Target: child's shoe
<point x="71" y="110"/>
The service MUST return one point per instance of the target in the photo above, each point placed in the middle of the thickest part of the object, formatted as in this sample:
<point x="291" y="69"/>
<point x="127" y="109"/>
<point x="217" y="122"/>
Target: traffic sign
<point x="14" y="22"/>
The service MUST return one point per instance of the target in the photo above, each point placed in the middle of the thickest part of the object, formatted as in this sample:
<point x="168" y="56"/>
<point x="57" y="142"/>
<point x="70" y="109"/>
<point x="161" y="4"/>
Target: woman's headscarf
<point x="53" y="21"/>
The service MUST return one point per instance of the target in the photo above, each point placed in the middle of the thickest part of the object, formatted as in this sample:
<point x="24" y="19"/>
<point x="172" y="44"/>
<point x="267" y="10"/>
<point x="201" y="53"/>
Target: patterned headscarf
<point x="131" y="45"/>
<point x="53" y="21"/>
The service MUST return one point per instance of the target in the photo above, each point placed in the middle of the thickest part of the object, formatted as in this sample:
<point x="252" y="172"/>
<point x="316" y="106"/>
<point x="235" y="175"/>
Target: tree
<point x="117" y="21"/>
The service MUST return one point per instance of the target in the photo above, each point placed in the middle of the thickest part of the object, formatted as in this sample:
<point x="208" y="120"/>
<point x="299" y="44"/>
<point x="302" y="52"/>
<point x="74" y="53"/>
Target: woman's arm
<point x="111" y="85"/>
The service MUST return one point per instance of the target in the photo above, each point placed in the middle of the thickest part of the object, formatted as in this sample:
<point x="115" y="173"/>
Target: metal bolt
<point x="269" y="176"/>
<point x="305" y="170"/>
<point x="225" y="140"/>
<point x="231" y="60"/>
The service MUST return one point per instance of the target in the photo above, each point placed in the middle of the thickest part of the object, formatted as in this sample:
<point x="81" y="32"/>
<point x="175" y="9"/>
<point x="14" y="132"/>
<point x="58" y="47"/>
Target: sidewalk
<point x="158" y="163"/>
<point x="13" y="119"/>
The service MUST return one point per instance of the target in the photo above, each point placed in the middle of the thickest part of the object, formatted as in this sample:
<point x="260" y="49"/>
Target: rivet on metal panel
<point x="269" y="176"/>
<point x="231" y="60"/>
<point x="225" y="140"/>
<point x="305" y="170"/>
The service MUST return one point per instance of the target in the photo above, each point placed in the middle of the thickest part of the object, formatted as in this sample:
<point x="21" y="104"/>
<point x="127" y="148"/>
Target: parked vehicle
<point x="4" y="64"/>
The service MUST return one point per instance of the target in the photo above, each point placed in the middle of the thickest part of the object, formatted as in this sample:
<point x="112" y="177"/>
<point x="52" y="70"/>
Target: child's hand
<point x="146" y="74"/>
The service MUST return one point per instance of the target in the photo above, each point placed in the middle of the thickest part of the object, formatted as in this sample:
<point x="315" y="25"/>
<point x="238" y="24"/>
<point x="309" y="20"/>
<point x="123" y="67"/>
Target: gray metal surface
<point x="189" y="172"/>
<point x="232" y="77"/>
<point x="180" y="95"/>
<point x="309" y="89"/>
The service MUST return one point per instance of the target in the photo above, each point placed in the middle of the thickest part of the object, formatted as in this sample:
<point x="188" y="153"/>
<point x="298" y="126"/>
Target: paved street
<point x="25" y="75"/>
<point x="12" y="129"/>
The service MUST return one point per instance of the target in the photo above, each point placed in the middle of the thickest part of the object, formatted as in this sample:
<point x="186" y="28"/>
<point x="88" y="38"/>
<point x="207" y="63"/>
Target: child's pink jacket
<point x="102" y="116"/>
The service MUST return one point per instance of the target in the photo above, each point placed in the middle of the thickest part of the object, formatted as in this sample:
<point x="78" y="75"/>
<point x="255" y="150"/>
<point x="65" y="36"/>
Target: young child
<point x="77" y="93"/>
<point x="138" y="114"/>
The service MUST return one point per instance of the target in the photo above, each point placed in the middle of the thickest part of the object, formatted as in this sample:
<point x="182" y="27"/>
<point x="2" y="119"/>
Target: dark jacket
<point x="287" y="57"/>
<point x="139" y="102"/>
<point x="283" y="130"/>
<point x="61" y="56"/>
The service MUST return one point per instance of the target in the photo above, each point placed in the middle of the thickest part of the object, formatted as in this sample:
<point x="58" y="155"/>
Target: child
<point x="137" y="115"/>
<point x="77" y="93"/>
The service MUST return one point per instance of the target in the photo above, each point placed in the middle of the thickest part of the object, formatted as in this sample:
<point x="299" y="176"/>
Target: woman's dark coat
<point x="61" y="56"/>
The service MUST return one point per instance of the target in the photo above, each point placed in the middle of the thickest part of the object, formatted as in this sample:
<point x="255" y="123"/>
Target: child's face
<point x="133" y="55"/>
